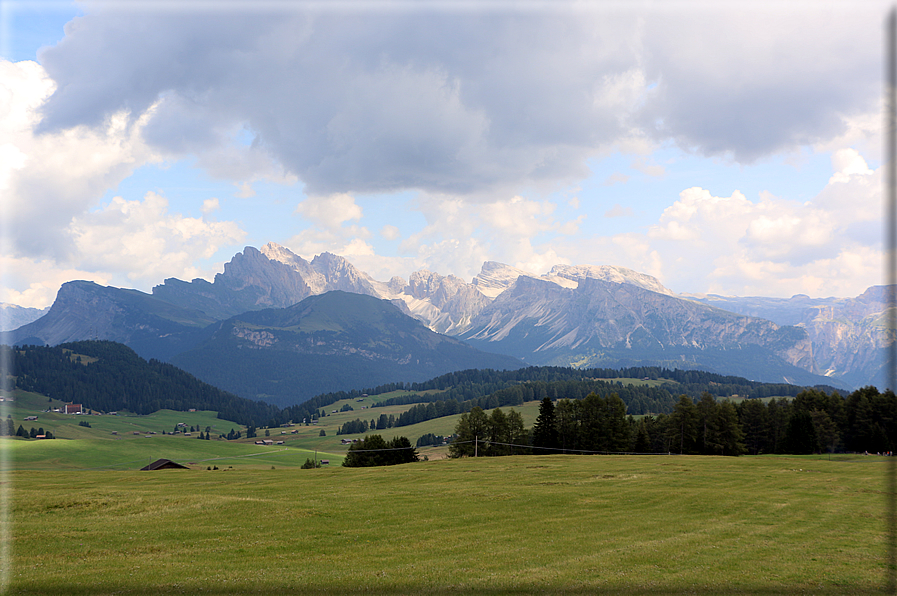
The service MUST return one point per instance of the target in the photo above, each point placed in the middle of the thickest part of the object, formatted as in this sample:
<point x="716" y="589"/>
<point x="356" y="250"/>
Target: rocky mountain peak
<point x="396" y="285"/>
<point x="494" y="278"/>
<point x="620" y="275"/>
<point x="276" y="252"/>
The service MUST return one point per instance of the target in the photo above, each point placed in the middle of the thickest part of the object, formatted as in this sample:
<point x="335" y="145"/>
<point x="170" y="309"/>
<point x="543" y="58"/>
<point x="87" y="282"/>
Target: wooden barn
<point x="164" y="464"/>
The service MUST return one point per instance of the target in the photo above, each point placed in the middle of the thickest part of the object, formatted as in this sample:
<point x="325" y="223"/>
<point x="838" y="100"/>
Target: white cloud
<point x="315" y="240"/>
<point x="641" y="164"/>
<point x="39" y="280"/>
<point x="615" y="178"/>
<point x="518" y="216"/>
<point x="776" y="246"/>
<point x="390" y="232"/>
<point x="330" y="211"/>
<point x="246" y="191"/>
<point x="210" y="205"/>
<point x="52" y="177"/>
<point x="141" y="240"/>
<point x="847" y="163"/>
<point x="618" y="211"/>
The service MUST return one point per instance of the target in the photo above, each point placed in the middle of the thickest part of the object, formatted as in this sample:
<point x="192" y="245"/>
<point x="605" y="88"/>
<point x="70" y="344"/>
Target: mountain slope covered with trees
<point x="108" y="376"/>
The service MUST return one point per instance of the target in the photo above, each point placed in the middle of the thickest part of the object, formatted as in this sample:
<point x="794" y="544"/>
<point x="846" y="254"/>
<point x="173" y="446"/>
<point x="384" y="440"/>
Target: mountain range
<point x="572" y="315"/>
<point x="13" y="316"/>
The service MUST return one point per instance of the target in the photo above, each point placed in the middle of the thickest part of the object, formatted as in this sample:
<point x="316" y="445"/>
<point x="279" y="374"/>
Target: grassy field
<point x="512" y="525"/>
<point x="128" y="441"/>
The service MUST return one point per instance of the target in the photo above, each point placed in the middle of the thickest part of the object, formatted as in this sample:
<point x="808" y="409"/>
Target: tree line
<point x="813" y="422"/>
<point x="374" y="450"/>
<point x="115" y="378"/>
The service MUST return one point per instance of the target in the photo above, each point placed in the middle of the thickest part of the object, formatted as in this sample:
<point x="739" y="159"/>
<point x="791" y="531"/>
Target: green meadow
<point x="127" y="441"/>
<point x="245" y="519"/>
<point x="511" y="525"/>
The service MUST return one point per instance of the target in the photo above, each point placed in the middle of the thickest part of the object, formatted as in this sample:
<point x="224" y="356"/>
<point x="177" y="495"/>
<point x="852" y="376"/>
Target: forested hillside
<point x="108" y="376"/>
<point x="489" y="389"/>
<point x="680" y="410"/>
<point x="117" y="378"/>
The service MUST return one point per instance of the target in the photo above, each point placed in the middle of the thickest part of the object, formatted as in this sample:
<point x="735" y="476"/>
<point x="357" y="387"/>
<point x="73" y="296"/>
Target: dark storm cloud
<point x="460" y="102"/>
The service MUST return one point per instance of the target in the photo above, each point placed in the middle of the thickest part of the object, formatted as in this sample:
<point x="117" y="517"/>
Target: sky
<point x="723" y="147"/>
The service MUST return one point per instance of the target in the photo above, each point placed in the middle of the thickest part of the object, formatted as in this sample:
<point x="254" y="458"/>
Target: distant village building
<point x="72" y="409"/>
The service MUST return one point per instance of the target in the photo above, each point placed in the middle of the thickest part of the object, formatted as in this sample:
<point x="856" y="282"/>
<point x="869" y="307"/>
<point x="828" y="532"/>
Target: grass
<point x="513" y="525"/>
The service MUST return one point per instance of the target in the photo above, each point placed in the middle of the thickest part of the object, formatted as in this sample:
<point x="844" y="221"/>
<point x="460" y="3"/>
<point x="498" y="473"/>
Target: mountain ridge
<point x="328" y="342"/>
<point x="845" y="338"/>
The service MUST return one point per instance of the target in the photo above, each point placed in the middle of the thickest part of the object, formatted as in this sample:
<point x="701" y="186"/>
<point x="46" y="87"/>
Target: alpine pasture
<point x="245" y="519"/>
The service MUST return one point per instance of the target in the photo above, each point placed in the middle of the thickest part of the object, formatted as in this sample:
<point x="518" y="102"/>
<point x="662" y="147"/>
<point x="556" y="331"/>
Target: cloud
<point x="210" y="205"/>
<point x="483" y="114"/>
<point x="246" y="191"/>
<point x="748" y="81"/>
<point x="330" y="211"/>
<point x="847" y="163"/>
<point x="39" y="279"/>
<point x="53" y="177"/>
<point x="776" y="246"/>
<point x="618" y="211"/>
<point x="463" y="102"/>
<point x="390" y="232"/>
<point x="146" y="243"/>
<point x="460" y="236"/>
<point x="615" y="178"/>
<point x="641" y="164"/>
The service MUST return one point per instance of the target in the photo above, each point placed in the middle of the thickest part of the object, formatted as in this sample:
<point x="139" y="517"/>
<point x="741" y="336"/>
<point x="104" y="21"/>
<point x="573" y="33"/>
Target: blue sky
<point x="721" y="147"/>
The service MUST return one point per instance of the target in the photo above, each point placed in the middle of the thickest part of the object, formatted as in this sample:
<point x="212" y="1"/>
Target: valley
<point x="127" y="441"/>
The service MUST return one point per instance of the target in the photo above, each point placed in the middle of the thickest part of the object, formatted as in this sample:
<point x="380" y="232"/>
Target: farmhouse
<point x="72" y="409"/>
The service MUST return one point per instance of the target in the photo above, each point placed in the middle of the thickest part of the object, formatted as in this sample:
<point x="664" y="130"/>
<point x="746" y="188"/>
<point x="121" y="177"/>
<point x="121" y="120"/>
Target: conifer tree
<point x="545" y="432"/>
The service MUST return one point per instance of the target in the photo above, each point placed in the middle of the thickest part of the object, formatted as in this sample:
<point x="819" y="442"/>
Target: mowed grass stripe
<point x="553" y="524"/>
